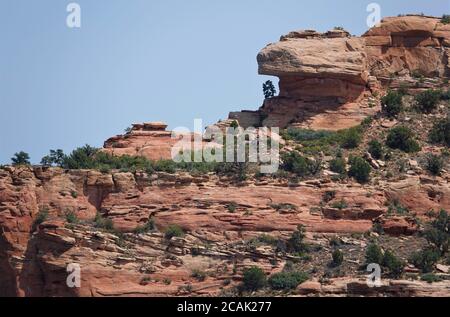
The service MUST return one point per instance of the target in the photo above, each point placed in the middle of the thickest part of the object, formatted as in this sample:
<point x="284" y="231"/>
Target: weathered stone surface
<point x="341" y="58"/>
<point x="33" y="260"/>
<point x="326" y="80"/>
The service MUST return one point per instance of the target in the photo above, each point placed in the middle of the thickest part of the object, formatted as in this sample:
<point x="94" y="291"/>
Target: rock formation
<point x="144" y="139"/>
<point x="328" y="81"/>
<point x="34" y="256"/>
<point x="113" y="224"/>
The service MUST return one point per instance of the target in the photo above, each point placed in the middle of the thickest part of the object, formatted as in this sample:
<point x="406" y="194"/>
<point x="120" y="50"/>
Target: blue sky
<point x="142" y="60"/>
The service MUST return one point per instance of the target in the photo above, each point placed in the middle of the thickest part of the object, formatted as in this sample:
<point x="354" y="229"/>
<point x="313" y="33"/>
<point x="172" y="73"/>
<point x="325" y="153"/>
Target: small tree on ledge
<point x="269" y="89"/>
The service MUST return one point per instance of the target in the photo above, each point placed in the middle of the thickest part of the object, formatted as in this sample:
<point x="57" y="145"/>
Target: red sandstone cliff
<point x="330" y="81"/>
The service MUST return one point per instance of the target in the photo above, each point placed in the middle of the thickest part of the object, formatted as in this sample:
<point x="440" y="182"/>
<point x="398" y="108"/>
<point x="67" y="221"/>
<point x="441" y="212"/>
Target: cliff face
<point x="34" y="256"/>
<point x="329" y="81"/>
<point x="114" y="224"/>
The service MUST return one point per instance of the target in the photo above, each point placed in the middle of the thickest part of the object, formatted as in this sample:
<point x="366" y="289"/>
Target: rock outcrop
<point x="36" y="250"/>
<point x="150" y="140"/>
<point x="327" y="81"/>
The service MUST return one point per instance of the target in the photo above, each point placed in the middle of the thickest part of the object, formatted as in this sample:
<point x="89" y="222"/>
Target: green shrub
<point x="376" y="149"/>
<point x="287" y="280"/>
<point x="338" y="258"/>
<point x="296" y="243"/>
<point x="427" y="101"/>
<point x="437" y="232"/>
<point x="54" y="158"/>
<point x="20" y="158"/>
<point x="81" y="158"/>
<point x="338" y="165"/>
<point x="254" y="279"/>
<point x="417" y="74"/>
<point x="301" y="135"/>
<point x="71" y="217"/>
<point x="360" y="169"/>
<point x="231" y="207"/>
<point x="393" y="264"/>
<point x="167" y="166"/>
<point x="440" y="132"/>
<point x="431" y="278"/>
<point x="234" y="124"/>
<point x="439" y="239"/>
<point x="147" y="227"/>
<point x="298" y="164"/>
<point x="395" y="207"/>
<point x="199" y="275"/>
<point x="392" y="103"/>
<point x="74" y="194"/>
<point x="435" y="164"/>
<point x="402" y="138"/>
<point x="426" y="259"/>
<point x="267" y="239"/>
<point x="167" y="281"/>
<point x="41" y="217"/>
<point x="104" y="169"/>
<point x="342" y="204"/>
<point x="351" y="138"/>
<point x="103" y="223"/>
<point x="173" y="231"/>
<point x="374" y="254"/>
<point x="329" y="196"/>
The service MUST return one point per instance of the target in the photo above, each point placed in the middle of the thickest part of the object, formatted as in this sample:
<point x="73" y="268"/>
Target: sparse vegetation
<point x="431" y="278"/>
<point x="338" y="165"/>
<point x="341" y="204"/>
<point x="269" y="89"/>
<point x="440" y="133"/>
<point x="338" y="258"/>
<point x="393" y="264"/>
<point x="426" y="259"/>
<point x="41" y="217"/>
<point x="360" y="169"/>
<point x="149" y="226"/>
<point x="402" y="138"/>
<point x="103" y="223"/>
<point x="296" y="244"/>
<point x="20" y="158"/>
<point x="374" y="254"/>
<point x="234" y="124"/>
<point x="286" y="281"/>
<point x="445" y="19"/>
<point x="56" y="157"/>
<point x="329" y="196"/>
<point x="376" y="149"/>
<point x="428" y="100"/>
<point x="435" y="164"/>
<point x="231" y="207"/>
<point x="437" y="232"/>
<point x="173" y="231"/>
<point x="351" y="138"/>
<point x="396" y="208"/>
<point x="199" y="275"/>
<point x="300" y="165"/>
<point x="254" y="279"/>
<point x="72" y="218"/>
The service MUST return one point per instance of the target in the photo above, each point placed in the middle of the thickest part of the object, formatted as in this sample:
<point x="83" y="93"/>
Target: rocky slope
<point x="115" y="223"/>
<point x="33" y="259"/>
<point x="331" y="80"/>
